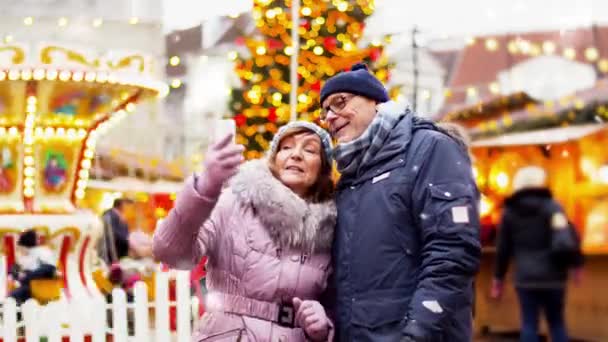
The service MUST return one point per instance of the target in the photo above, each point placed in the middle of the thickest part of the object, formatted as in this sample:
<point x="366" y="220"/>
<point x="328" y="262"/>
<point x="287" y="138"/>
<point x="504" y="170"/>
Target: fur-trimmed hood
<point x="291" y="221"/>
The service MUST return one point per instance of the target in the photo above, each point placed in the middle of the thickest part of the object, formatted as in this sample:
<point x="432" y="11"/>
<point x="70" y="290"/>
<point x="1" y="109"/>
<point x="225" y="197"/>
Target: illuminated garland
<point x="328" y="32"/>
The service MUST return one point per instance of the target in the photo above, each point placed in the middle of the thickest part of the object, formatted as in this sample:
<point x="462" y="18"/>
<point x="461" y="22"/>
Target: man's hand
<point x="311" y="317"/>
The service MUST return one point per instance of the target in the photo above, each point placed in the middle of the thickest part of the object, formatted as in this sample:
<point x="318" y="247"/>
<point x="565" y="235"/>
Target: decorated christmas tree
<point x="328" y="31"/>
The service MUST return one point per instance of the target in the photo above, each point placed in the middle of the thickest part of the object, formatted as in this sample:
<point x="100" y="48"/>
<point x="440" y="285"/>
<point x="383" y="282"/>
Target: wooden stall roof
<point x="541" y="137"/>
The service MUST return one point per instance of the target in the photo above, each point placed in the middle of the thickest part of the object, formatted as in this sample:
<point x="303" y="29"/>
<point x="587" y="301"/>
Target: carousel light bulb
<point x="130" y="107"/>
<point x="342" y="6"/>
<point x="62" y="22"/>
<point x="38" y="74"/>
<point x="71" y="133"/>
<point x="2" y="131"/>
<point x="112" y="79"/>
<point x="80" y="193"/>
<point x="102" y="77"/>
<point x="26" y="74"/>
<point x="28" y="160"/>
<point x="134" y="20"/>
<point x="60" y="131"/>
<point x="32" y="100"/>
<point x="83" y="174"/>
<point x="90" y="76"/>
<point x="29" y="171"/>
<point x="97" y="22"/>
<point x="13" y="75"/>
<point x="82" y="133"/>
<point x="2" y="75"/>
<point x="13" y="131"/>
<point x="28" y="21"/>
<point x="348" y="46"/>
<point x="49" y="131"/>
<point x="77" y="76"/>
<point x="89" y="153"/>
<point x="91" y="142"/>
<point x="51" y="75"/>
<point x="65" y="75"/>
<point x="86" y="164"/>
<point x="39" y="131"/>
<point x="28" y="182"/>
<point x="28" y="192"/>
<point x="288" y="50"/>
<point x="232" y="55"/>
<point x="82" y="183"/>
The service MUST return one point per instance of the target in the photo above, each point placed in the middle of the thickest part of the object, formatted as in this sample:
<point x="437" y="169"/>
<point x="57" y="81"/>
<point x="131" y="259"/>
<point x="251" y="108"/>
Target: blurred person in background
<point x="407" y="240"/>
<point x="114" y="244"/>
<point x="536" y="233"/>
<point x="267" y="237"/>
<point x="34" y="261"/>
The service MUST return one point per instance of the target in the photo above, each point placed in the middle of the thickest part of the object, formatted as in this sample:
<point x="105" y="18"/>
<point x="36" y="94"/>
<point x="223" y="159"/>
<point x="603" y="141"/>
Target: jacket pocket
<point x="453" y="207"/>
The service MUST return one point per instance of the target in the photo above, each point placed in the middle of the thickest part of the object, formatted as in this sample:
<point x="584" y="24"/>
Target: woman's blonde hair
<point x="323" y="189"/>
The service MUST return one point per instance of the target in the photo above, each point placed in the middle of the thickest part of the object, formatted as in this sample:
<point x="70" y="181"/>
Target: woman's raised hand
<point x="221" y="163"/>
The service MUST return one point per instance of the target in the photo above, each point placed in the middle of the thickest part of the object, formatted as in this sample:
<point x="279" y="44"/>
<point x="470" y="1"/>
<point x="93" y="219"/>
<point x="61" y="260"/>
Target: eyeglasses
<point x="336" y="106"/>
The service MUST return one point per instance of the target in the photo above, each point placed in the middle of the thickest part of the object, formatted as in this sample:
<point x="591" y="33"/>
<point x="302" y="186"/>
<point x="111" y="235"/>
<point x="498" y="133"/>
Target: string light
<point x="97" y="22"/>
<point x="491" y="44"/>
<point x="134" y="20"/>
<point x="174" y="61"/>
<point x="28" y="21"/>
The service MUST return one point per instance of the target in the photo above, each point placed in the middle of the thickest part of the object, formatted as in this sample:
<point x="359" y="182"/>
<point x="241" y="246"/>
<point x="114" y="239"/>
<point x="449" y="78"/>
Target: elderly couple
<point x="389" y="255"/>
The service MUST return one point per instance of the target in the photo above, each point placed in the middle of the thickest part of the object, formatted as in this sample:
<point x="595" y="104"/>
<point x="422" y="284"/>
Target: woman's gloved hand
<point x="221" y="163"/>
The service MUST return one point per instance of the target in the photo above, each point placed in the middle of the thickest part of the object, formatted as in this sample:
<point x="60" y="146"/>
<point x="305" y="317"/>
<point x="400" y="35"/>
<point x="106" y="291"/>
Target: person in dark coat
<point x="115" y="241"/>
<point x="406" y="245"/>
<point x="531" y="216"/>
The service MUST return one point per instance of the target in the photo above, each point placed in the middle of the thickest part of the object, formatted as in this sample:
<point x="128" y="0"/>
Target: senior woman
<point x="267" y="237"/>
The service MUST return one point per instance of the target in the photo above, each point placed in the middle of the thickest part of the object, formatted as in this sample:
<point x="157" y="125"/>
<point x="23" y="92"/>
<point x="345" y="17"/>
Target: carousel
<point x="55" y="103"/>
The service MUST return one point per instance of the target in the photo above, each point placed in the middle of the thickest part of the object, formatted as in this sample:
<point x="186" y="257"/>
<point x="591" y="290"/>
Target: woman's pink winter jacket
<point x="265" y="246"/>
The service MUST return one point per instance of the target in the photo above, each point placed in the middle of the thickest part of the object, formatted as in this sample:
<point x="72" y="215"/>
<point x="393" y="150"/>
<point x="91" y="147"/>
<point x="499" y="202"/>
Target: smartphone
<point x="224" y="127"/>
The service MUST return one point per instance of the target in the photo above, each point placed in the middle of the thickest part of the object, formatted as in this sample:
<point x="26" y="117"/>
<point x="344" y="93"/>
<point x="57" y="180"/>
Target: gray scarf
<point x="352" y="155"/>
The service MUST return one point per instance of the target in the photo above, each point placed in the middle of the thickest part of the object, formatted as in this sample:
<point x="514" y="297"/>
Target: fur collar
<point x="291" y="221"/>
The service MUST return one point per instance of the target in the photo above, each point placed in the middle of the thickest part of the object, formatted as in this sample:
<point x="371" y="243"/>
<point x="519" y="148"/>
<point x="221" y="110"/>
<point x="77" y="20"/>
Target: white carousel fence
<point x="87" y="317"/>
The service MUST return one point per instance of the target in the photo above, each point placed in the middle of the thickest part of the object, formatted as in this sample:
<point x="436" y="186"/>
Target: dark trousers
<point x="22" y="293"/>
<point x="551" y="301"/>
